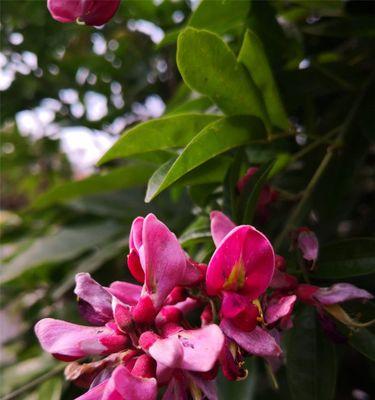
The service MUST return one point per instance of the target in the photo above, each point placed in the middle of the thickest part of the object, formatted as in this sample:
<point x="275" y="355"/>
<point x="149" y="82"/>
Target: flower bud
<point x="308" y="243"/>
<point x="89" y="12"/>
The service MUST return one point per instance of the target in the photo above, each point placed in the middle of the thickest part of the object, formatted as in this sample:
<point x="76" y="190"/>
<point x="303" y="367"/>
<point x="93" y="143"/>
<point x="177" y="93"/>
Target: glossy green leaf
<point x="253" y="57"/>
<point x="119" y="178"/>
<point x="208" y="66"/>
<point x="65" y="244"/>
<point x="200" y="104"/>
<point x="346" y="258"/>
<point x="214" y="139"/>
<point x="311" y="359"/>
<point x="158" y="134"/>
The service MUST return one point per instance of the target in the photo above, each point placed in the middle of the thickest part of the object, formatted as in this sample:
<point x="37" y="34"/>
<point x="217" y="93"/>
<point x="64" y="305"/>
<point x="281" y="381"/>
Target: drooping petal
<point x="239" y="310"/>
<point x="93" y="299"/>
<point x="244" y="262"/>
<point x="231" y="361"/>
<point x="308" y="244"/>
<point x="221" y="225"/>
<point x="282" y="280"/>
<point x="186" y="347"/>
<point x="96" y="393"/>
<point x="164" y="259"/>
<point x="126" y="292"/>
<point x="124" y="385"/>
<point x="279" y="308"/>
<point x="258" y="342"/>
<point x="341" y="292"/>
<point x="91" y="12"/>
<point x="68" y="342"/>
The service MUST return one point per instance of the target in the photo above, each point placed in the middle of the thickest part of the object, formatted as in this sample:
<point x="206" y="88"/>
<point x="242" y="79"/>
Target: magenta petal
<point x="221" y="225"/>
<point x="282" y="280"/>
<point x="164" y="259"/>
<point x="92" y="12"/>
<point x="341" y="292"/>
<point x="168" y="352"/>
<point x="280" y="308"/>
<point x="239" y="310"/>
<point x="126" y="292"/>
<point x="69" y="342"/>
<point x="243" y="262"/>
<point x="93" y="299"/>
<point x="258" y="342"/>
<point x="96" y="393"/>
<point x="308" y="244"/>
<point x="184" y="349"/>
<point x="123" y="385"/>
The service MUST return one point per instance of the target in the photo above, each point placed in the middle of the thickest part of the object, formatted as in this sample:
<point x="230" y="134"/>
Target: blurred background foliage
<point x="69" y="91"/>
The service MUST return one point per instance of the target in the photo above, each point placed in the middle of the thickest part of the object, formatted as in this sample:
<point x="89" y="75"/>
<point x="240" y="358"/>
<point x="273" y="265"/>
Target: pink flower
<point x="240" y="271"/>
<point x="243" y="261"/>
<point x="90" y="12"/>
<point x="157" y="259"/>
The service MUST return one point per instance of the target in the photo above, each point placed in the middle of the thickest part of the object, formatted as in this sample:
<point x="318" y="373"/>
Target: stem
<point x="294" y="217"/>
<point x="31" y="385"/>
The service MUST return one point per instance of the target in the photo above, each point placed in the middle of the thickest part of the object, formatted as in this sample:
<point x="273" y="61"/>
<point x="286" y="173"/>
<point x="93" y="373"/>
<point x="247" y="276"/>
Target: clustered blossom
<point x="144" y="338"/>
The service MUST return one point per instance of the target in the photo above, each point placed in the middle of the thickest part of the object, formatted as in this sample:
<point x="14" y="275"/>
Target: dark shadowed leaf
<point x="311" y="359"/>
<point x="346" y="258"/>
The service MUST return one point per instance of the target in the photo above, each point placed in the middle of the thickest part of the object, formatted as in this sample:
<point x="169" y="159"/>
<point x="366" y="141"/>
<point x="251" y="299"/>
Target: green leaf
<point x="208" y="66"/>
<point x="363" y="341"/>
<point x="118" y="178"/>
<point x="216" y="138"/>
<point x="89" y="264"/>
<point x="50" y="390"/>
<point x="224" y="16"/>
<point x="253" y="57"/>
<point x="346" y="258"/>
<point x="200" y="104"/>
<point x="250" y="200"/>
<point x="158" y="134"/>
<point x="311" y="359"/>
<point x="64" y="245"/>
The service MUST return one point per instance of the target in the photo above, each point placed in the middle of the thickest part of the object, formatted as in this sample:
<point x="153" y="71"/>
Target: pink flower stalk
<point x="90" y="12"/>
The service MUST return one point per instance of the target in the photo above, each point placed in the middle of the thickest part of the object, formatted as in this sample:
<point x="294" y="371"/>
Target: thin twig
<point x="31" y="385"/>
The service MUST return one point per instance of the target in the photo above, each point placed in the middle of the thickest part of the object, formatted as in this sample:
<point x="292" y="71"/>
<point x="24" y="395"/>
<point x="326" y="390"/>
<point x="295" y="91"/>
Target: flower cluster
<point x="186" y="320"/>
